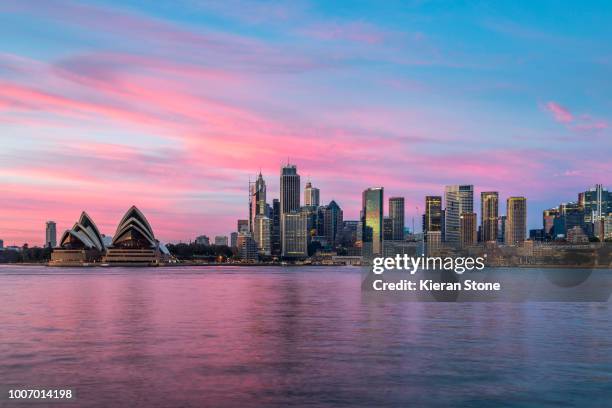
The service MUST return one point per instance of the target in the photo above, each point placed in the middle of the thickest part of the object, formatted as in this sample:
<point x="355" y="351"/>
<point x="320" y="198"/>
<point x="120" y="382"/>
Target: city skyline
<point x="177" y="106"/>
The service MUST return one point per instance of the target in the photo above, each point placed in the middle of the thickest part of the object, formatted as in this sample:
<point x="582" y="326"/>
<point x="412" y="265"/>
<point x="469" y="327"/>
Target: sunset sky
<point x="172" y="107"/>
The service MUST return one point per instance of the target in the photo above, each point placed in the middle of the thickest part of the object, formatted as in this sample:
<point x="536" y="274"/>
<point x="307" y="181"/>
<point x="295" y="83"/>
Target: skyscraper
<point x="548" y="222"/>
<point x="459" y="199"/>
<point x="257" y="200"/>
<point x="51" y="235"/>
<point x="516" y="220"/>
<point x="289" y="189"/>
<point x="262" y="234"/>
<point x="596" y="202"/>
<point x="467" y="228"/>
<point x="372" y="221"/>
<point x="295" y="234"/>
<point x="332" y="222"/>
<point x="432" y="220"/>
<point x="387" y="229"/>
<point x="489" y="212"/>
<point x="396" y="214"/>
<point x="311" y="195"/>
<point x="275" y="240"/>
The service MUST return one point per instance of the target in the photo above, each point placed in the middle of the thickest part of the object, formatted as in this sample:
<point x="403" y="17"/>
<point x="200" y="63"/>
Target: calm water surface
<point x="255" y="336"/>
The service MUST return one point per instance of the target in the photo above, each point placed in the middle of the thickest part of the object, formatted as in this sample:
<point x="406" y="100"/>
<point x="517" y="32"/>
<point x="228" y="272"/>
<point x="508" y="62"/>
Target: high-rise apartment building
<point x="372" y="221"/>
<point x="459" y="199"/>
<point x="516" y="220"/>
<point x="51" y="235"/>
<point x="387" y="229"/>
<point x="311" y="195"/>
<point x="396" y="214"/>
<point x="489" y="212"/>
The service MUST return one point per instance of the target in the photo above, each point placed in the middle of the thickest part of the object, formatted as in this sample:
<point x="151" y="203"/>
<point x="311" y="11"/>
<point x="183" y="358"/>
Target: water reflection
<point x="197" y="337"/>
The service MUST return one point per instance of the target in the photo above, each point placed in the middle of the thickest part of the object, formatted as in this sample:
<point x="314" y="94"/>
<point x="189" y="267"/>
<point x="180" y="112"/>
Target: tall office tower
<point x="501" y="228"/>
<point x="548" y="222"/>
<point x="295" y="234"/>
<point x="332" y="223"/>
<point x="596" y="202"/>
<point x="459" y="199"/>
<point x="233" y="239"/>
<point x="311" y="195"/>
<point x="467" y="228"/>
<point x="262" y="234"/>
<point x="570" y="215"/>
<point x="1" y="244"/>
<point x="275" y="240"/>
<point x="51" y="235"/>
<point x="489" y="212"/>
<point x="432" y="219"/>
<point x="243" y="226"/>
<point x="289" y="189"/>
<point x="387" y="229"/>
<point x="516" y="220"/>
<point x="396" y="213"/>
<point x="257" y="200"/>
<point x="289" y="196"/>
<point x="372" y="221"/>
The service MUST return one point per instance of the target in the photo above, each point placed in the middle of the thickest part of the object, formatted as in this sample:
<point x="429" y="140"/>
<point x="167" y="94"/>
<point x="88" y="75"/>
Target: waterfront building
<point x="247" y="247"/>
<point x="134" y="242"/>
<point x="576" y="235"/>
<point x="81" y="244"/>
<point x="262" y="234"/>
<point x="202" y="240"/>
<point x="295" y="234"/>
<point x="467" y="229"/>
<point x="516" y="220"/>
<point x="372" y="221"/>
<point x="234" y="239"/>
<point x="397" y="215"/>
<point x="501" y="228"/>
<point x="221" y="240"/>
<point x="1" y="245"/>
<point x="459" y="199"/>
<point x="489" y="212"/>
<point x="311" y="195"/>
<point x="433" y="242"/>
<point x="50" y="235"/>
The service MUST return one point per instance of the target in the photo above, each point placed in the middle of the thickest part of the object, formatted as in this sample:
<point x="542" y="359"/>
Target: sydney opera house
<point x="133" y="244"/>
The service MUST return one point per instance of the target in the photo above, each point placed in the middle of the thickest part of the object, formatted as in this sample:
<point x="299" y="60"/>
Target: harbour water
<point x="288" y="336"/>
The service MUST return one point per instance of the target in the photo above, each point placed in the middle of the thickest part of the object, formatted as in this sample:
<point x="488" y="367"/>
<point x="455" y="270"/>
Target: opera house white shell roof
<point x="84" y="234"/>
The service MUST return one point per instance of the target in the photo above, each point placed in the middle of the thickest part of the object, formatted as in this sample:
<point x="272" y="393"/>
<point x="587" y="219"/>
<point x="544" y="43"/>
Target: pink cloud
<point x="560" y="113"/>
